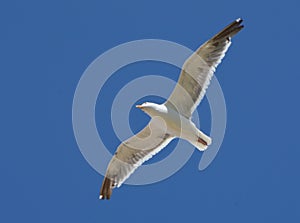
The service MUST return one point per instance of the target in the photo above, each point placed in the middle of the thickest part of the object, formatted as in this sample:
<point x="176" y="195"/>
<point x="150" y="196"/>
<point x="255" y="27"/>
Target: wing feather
<point x="198" y="70"/>
<point x="132" y="153"/>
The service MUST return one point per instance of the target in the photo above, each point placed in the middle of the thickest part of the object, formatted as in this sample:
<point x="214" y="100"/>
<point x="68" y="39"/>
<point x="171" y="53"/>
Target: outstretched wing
<point x="132" y="153"/>
<point x="198" y="70"/>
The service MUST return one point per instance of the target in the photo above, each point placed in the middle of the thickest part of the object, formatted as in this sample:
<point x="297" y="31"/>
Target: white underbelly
<point x="180" y="126"/>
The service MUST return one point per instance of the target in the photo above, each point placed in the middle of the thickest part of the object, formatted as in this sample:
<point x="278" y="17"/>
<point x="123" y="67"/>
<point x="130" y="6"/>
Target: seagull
<point x="171" y="119"/>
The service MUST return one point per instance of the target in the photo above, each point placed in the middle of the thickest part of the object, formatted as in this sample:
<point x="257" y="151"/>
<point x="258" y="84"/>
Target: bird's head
<point x="150" y="108"/>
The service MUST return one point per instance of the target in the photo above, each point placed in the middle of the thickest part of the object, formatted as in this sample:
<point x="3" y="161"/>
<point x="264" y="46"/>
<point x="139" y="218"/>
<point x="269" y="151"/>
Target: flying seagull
<point x="173" y="118"/>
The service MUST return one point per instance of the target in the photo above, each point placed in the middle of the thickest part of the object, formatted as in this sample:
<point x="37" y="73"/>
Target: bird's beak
<point x="139" y="106"/>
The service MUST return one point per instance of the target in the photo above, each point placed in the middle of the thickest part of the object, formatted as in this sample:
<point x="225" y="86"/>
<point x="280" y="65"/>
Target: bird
<point x="172" y="119"/>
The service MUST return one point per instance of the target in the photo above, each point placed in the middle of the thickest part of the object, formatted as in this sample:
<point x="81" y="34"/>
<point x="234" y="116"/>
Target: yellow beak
<point x="139" y="106"/>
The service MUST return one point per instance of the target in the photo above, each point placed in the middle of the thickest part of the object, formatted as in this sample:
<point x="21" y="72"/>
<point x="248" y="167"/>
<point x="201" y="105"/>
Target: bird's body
<point x="171" y="119"/>
<point x="176" y="124"/>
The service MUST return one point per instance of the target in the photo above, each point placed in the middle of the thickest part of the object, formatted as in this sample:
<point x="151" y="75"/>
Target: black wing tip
<point x="106" y="189"/>
<point x="230" y="30"/>
<point x="239" y="20"/>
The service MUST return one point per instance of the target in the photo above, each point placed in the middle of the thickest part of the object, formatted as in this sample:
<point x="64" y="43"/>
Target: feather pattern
<point x="132" y="153"/>
<point x="198" y="70"/>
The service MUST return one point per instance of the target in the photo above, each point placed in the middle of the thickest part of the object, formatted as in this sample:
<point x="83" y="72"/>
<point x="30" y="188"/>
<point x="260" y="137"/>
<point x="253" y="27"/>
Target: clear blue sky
<point x="45" y="48"/>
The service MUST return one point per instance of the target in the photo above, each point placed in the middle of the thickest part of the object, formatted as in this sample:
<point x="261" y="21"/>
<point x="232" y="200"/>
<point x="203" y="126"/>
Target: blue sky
<point x="45" y="48"/>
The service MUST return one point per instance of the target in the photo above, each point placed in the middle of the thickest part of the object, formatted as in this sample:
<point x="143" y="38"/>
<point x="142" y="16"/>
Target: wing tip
<point x="106" y="189"/>
<point x="230" y="30"/>
<point x="239" y="20"/>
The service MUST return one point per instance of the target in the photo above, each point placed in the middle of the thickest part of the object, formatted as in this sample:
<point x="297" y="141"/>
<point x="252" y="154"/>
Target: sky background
<point x="45" y="48"/>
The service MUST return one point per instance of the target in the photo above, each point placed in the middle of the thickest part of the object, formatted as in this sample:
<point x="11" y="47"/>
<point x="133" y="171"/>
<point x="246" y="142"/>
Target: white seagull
<point x="173" y="118"/>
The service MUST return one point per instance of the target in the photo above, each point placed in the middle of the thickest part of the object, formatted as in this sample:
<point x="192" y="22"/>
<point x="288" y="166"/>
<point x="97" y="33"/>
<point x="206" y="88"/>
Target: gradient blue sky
<point x="45" y="48"/>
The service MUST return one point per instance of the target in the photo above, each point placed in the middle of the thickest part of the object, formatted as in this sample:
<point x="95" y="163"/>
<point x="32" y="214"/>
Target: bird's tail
<point x="201" y="142"/>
